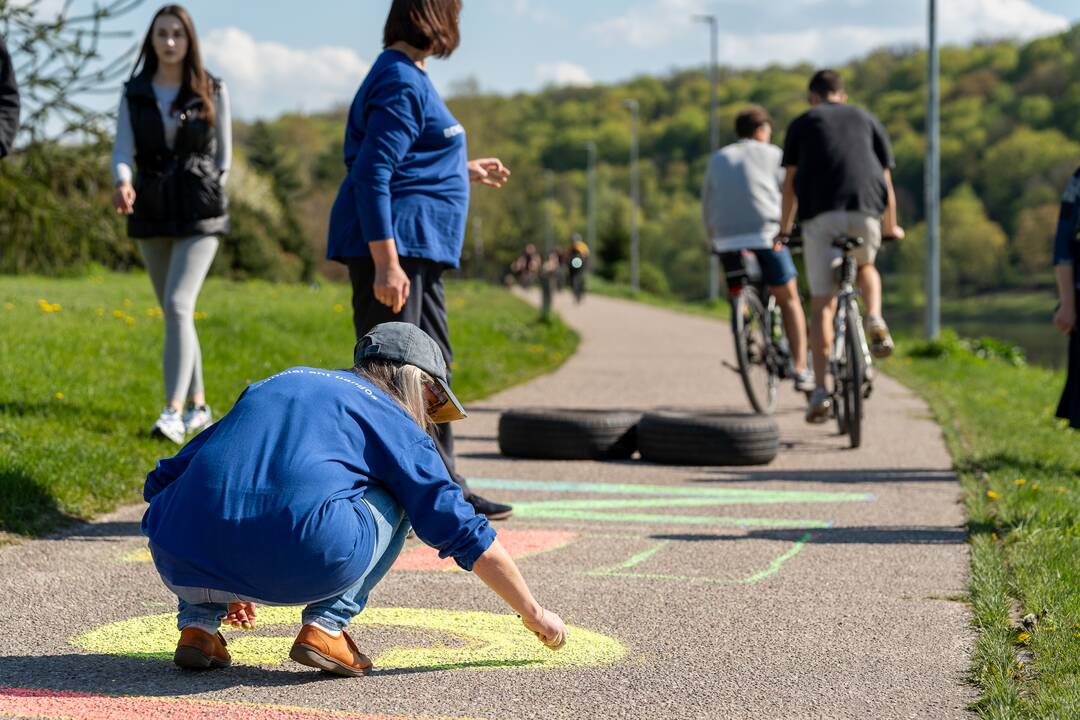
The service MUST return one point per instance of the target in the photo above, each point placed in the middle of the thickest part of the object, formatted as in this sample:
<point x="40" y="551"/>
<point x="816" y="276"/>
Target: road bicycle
<point x="761" y="347"/>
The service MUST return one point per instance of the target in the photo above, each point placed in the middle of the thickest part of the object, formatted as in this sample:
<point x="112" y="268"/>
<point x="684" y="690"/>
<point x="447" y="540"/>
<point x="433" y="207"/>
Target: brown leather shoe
<point x="199" y="650"/>
<point x="338" y="655"/>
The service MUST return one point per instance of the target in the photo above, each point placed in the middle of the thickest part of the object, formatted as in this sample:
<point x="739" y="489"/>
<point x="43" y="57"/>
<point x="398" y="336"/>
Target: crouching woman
<point x="303" y="494"/>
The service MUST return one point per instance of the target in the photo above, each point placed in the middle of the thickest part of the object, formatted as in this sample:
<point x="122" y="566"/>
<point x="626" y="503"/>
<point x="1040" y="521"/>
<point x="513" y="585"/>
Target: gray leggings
<point x="178" y="267"/>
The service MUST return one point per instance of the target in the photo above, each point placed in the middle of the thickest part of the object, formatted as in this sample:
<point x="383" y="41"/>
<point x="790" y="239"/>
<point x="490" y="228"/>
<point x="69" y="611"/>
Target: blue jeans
<point x="206" y="608"/>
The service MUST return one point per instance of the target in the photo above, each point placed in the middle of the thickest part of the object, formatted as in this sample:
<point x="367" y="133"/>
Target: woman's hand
<point x="124" y="198"/>
<point x="548" y="628"/>
<point x="391" y="286"/>
<point x="489" y="171"/>
<point x="1065" y="318"/>
<point x="241" y="615"/>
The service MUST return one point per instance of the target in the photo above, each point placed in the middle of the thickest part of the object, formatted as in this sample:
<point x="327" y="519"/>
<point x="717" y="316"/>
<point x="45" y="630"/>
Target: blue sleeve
<point x="437" y="509"/>
<point x="1068" y="224"/>
<point x="168" y="470"/>
<point x="394" y="119"/>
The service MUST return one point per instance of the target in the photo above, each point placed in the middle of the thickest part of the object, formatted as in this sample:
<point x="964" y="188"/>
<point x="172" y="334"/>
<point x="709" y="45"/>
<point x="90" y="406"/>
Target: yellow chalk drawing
<point x="457" y="641"/>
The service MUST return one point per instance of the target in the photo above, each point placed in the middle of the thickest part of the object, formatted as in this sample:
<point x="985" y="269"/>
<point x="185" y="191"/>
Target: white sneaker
<point x="197" y="417"/>
<point x="805" y="382"/>
<point x="169" y="426"/>
<point x="820" y="407"/>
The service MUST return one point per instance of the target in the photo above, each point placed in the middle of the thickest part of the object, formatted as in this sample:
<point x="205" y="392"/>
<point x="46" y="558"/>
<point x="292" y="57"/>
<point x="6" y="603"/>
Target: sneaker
<point x="820" y="407"/>
<point x="881" y="342"/>
<point x="197" y="417"/>
<point x="804" y="381"/>
<point x="493" y="510"/>
<point x="315" y="647"/>
<point x="199" y="650"/>
<point x="169" y="426"/>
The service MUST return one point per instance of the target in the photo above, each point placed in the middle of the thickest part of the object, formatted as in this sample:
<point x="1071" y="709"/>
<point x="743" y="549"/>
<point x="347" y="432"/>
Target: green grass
<point x="1020" y="472"/>
<point x="81" y="386"/>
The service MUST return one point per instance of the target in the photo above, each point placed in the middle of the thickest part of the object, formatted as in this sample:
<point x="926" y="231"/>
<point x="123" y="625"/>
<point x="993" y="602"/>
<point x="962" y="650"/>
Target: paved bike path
<point x="822" y="586"/>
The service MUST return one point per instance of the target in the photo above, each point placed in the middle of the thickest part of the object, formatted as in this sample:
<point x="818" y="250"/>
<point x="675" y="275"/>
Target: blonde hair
<point x="403" y="383"/>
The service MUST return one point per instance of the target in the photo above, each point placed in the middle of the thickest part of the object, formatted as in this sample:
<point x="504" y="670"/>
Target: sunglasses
<point x="436" y="397"/>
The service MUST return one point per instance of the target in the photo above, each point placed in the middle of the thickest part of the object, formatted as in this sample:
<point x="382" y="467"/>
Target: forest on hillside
<point x="1010" y="133"/>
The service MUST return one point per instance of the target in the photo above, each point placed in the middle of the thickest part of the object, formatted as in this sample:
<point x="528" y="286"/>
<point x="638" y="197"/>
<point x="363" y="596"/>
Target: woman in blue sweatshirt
<point x="1066" y="253"/>
<point x="399" y="219"/>
<point x="303" y="494"/>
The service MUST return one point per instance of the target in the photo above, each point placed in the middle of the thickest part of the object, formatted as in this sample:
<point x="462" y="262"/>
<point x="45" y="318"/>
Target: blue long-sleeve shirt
<point x="407" y="163"/>
<point x="1067" y="240"/>
<point x="267" y="503"/>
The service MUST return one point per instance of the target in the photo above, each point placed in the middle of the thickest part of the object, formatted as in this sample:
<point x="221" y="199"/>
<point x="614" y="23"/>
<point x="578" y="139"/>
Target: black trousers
<point x="1069" y="408"/>
<point x="425" y="308"/>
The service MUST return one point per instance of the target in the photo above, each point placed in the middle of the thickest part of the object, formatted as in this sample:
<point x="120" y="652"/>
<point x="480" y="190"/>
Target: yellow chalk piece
<point x="141" y="555"/>
<point x="484" y="640"/>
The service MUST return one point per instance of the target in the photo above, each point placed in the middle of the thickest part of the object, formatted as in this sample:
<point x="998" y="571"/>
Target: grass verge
<point x="81" y="373"/>
<point x="1020" y="471"/>
<point x="716" y="309"/>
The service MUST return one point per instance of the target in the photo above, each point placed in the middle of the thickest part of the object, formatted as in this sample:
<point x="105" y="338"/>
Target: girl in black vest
<point x="174" y="130"/>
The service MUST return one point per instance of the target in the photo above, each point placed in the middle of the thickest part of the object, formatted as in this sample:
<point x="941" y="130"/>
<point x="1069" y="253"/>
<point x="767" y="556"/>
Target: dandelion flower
<point x="118" y="314"/>
<point x="992" y="495"/>
<point x="100" y="312"/>
<point x="129" y="320"/>
<point x="59" y="396"/>
<point x="9" y="306"/>
<point x="339" y="308"/>
<point x="1021" y="481"/>
<point x="1023" y="637"/>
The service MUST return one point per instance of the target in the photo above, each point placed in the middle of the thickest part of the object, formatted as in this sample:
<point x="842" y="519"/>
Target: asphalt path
<point x="825" y="585"/>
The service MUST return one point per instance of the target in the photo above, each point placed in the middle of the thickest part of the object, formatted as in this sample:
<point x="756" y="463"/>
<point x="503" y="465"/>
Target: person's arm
<point x="169" y="469"/>
<point x="394" y="122"/>
<point x="224" y="134"/>
<point x="1064" y="260"/>
<point x="123" y="159"/>
<point x="9" y="102"/>
<point x="500" y="573"/>
<point x="488" y="171"/>
<point x="708" y="192"/>
<point x="789" y="206"/>
<point x="890" y="226"/>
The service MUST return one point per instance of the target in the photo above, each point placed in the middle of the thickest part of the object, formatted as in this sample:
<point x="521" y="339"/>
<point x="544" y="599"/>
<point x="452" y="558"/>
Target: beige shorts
<point x="822" y="259"/>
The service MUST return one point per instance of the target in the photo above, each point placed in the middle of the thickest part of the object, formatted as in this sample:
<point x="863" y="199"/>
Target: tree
<point x="1033" y="241"/>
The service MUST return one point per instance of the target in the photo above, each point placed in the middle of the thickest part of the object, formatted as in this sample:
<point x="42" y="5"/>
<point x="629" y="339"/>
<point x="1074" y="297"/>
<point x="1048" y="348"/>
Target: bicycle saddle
<point x="848" y="243"/>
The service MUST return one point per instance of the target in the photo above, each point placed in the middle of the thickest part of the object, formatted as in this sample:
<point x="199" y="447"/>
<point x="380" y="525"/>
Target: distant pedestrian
<point x="399" y="219"/>
<point x="172" y="156"/>
<point x="577" y="266"/>
<point x="1066" y="253"/>
<point x="526" y="267"/>
<point x="9" y="102"/>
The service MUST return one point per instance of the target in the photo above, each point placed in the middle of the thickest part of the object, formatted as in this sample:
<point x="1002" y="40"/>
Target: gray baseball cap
<point x="407" y="344"/>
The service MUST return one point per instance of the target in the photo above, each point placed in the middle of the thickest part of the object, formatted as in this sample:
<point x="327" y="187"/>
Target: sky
<point x="279" y="56"/>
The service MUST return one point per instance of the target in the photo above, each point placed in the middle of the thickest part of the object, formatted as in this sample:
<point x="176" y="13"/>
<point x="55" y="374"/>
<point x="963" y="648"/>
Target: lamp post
<point x="714" y="127"/>
<point x="933" y="184"/>
<point x="635" y="194"/>
<point x="590" y="235"/>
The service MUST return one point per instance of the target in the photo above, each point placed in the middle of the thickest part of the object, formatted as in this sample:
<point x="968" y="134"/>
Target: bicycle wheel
<point x="751" y="327"/>
<point x="838" y="368"/>
<point x="855" y="371"/>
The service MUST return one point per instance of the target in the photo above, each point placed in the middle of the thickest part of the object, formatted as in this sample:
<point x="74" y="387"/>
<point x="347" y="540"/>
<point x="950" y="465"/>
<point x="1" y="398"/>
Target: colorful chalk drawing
<point x="624" y="569"/>
<point x="662" y="496"/>
<point x="458" y="641"/>
<point x="519" y="543"/>
<point x="56" y="705"/>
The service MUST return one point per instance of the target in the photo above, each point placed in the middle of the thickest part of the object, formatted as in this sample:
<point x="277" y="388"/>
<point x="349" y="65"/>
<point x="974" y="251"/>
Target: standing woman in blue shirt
<point x="399" y="219"/>
<point x="172" y="155"/>
<point x="1066" y="253"/>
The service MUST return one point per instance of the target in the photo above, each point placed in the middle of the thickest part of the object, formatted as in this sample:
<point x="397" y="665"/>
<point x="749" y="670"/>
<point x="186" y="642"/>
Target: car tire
<point x="688" y="438"/>
<point x="563" y="434"/>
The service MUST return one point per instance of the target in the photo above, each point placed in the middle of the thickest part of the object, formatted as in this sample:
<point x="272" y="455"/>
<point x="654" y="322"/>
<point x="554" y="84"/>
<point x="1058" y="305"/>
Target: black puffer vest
<point x="178" y="192"/>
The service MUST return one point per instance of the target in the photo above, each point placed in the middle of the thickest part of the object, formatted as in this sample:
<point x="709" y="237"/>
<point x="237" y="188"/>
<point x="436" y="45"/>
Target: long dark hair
<point x="196" y="81"/>
<point x="429" y="25"/>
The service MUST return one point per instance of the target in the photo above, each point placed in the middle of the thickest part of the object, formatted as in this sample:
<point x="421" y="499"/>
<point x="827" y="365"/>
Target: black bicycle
<point x="761" y="346"/>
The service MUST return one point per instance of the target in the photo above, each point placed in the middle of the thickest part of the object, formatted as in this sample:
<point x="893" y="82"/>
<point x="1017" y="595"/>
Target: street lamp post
<point x="635" y="194"/>
<point x="933" y="184"/>
<point x="714" y="126"/>
<point x="590" y="234"/>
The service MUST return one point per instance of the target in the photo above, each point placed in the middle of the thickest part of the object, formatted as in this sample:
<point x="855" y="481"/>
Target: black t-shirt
<point x="841" y="152"/>
<point x="9" y="102"/>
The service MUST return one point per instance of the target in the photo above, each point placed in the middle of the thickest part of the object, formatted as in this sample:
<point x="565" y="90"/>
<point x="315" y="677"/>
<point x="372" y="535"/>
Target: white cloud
<point x="562" y="74"/>
<point x="650" y="24"/>
<point x="267" y="78"/>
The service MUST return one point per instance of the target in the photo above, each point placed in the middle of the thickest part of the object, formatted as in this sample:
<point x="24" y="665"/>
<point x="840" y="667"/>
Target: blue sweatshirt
<point x="1067" y="240"/>
<point x="407" y="163"/>
<point x="266" y="503"/>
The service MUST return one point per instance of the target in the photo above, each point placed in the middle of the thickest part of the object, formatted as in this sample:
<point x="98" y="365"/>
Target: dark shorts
<point x="777" y="268"/>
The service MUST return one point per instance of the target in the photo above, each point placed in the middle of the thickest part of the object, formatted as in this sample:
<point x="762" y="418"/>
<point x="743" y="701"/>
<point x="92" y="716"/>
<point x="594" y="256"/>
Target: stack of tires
<point x="666" y="437"/>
